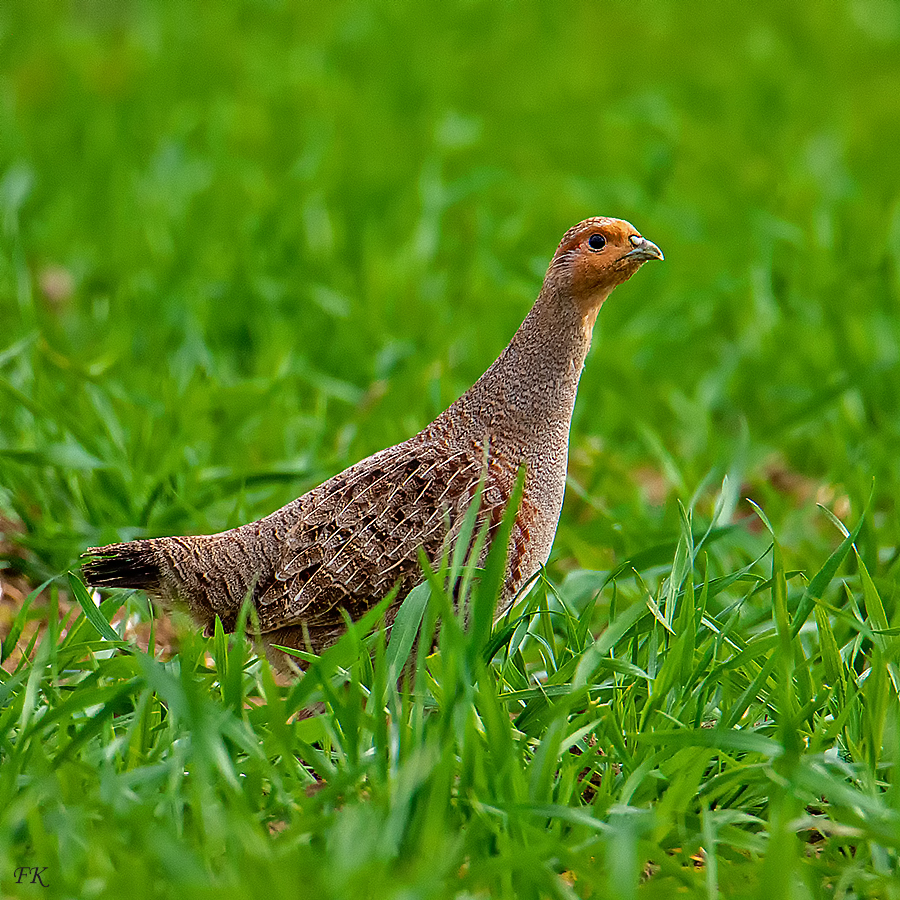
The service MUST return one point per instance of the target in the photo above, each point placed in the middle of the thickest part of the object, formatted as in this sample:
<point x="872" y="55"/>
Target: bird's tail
<point x="135" y="564"/>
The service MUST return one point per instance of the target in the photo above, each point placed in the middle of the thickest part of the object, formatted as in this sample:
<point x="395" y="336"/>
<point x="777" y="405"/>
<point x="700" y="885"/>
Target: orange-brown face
<point x="595" y="256"/>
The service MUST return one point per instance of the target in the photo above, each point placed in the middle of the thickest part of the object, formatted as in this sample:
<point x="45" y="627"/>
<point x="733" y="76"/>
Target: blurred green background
<point x="245" y="244"/>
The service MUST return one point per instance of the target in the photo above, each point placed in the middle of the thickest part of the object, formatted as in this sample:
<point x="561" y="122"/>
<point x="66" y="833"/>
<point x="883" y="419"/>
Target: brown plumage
<point x="355" y="537"/>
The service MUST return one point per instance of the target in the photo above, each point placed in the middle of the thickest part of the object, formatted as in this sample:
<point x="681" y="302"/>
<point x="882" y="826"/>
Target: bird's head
<point x="596" y="255"/>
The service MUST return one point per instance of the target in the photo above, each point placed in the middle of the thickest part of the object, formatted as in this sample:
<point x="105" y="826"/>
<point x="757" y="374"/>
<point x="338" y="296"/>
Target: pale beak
<point x="644" y="250"/>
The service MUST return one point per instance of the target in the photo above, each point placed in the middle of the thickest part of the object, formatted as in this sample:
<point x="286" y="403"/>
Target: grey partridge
<point x="351" y="540"/>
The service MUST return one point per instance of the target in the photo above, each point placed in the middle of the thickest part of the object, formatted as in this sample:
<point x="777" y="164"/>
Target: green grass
<point x="244" y="245"/>
<point x="696" y="720"/>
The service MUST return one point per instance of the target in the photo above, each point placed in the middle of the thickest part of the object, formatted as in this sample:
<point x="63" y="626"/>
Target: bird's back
<point x="344" y="545"/>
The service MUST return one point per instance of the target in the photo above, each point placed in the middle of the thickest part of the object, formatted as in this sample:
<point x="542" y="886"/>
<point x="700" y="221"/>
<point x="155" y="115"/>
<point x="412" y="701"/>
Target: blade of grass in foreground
<point x="91" y="611"/>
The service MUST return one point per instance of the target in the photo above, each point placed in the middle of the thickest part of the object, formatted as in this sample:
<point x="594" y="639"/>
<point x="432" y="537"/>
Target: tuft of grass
<point x="721" y="736"/>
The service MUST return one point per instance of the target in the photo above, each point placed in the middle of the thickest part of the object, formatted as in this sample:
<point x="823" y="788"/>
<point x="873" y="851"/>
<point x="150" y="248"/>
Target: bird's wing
<point x="359" y="533"/>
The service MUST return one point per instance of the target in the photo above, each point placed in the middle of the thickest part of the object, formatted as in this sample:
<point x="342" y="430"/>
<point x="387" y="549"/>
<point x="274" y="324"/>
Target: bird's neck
<point x="531" y="387"/>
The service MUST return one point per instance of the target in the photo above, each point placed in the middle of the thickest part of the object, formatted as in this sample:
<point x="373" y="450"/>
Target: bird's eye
<point x="596" y="242"/>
